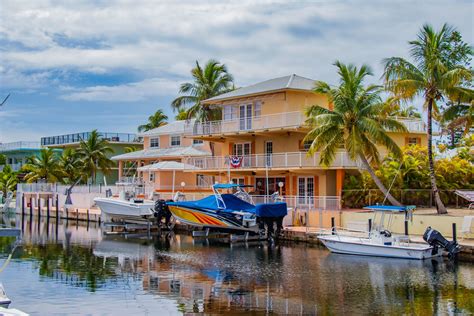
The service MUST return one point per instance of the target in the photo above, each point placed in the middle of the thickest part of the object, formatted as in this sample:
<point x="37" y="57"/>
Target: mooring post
<point x="370" y="225"/>
<point x="454" y="232"/>
<point x="406" y="228"/>
<point x="39" y="207"/>
<point x="333" y="226"/>
<point x="77" y="215"/>
<point x="22" y="204"/>
<point x="57" y="206"/>
<point x="87" y="215"/>
<point x="31" y="206"/>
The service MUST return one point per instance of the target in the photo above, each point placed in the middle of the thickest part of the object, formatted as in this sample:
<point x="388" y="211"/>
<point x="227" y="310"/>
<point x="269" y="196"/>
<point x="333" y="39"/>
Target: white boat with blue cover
<point x="381" y="243"/>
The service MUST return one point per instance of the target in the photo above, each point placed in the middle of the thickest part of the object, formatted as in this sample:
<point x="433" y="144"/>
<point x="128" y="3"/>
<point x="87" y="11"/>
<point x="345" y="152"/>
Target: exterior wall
<point x="165" y="142"/>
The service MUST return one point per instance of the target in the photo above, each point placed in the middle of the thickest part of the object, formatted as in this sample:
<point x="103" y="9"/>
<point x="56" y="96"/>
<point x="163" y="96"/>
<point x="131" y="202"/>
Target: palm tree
<point x="433" y="77"/>
<point x="93" y="154"/>
<point x="43" y="167"/>
<point x="209" y="82"/>
<point x="181" y="115"/>
<point x="357" y="122"/>
<point x="70" y="164"/>
<point x="8" y="180"/>
<point x="156" y="120"/>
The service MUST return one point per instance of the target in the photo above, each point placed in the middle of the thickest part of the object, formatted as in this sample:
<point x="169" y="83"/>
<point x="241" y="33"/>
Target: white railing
<point x="264" y="122"/>
<point x="19" y="145"/>
<point x="279" y="160"/>
<point x="413" y="124"/>
<point x="272" y="121"/>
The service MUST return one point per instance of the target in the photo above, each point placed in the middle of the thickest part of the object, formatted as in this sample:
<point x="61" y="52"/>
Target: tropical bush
<point x="8" y="180"/>
<point x="409" y="179"/>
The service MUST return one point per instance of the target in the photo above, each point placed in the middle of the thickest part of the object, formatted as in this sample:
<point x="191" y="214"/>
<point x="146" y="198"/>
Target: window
<point x="201" y="180"/>
<point x="198" y="142"/>
<point x="175" y="140"/>
<point x="227" y="112"/>
<point x="305" y="145"/>
<point x="257" y="111"/>
<point x="151" y="177"/>
<point x="155" y="142"/>
<point x="412" y="141"/>
<point x="198" y="163"/>
<point x="240" y="181"/>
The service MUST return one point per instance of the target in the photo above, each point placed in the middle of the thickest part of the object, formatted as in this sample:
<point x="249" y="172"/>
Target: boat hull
<point x="363" y="247"/>
<point x="118" y="208"/>
<point x="207" y="219"/>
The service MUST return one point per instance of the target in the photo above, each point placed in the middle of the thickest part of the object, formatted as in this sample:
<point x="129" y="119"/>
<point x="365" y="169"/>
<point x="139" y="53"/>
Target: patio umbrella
<point x="168" y="166"/>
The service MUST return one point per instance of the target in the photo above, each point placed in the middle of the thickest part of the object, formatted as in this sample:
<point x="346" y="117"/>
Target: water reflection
<point x="209" y="277"/>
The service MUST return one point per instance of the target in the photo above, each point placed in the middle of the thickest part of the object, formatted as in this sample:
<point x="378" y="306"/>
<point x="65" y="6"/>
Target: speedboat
<point x="127" y="205"/>
<point x="229" y="212"/>
<point x="381" y="243"/>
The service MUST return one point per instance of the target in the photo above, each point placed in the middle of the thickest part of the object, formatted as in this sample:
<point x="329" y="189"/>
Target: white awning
<point x="168" y="166"/>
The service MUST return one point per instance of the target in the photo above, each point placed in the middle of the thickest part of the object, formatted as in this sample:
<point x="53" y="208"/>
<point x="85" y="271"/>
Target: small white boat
<point x="126" y="206"/>
<point x="381" y="243"/>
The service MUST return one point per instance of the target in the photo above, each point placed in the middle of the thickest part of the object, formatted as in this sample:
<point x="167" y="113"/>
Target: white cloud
<point x="130" y="92"/>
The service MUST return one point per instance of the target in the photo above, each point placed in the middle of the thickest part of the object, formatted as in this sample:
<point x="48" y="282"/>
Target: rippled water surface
<point x="74" y="269"/>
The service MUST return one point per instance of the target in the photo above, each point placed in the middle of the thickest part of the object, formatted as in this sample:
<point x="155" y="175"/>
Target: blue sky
<point x="79" y="65"/>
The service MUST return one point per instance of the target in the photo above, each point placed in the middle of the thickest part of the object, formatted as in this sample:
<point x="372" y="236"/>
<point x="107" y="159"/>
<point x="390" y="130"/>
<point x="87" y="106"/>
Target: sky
<point x="74" y="66"/>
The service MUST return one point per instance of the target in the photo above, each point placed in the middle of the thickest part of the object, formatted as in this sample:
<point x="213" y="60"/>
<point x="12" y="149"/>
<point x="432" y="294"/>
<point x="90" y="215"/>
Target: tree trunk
<point x="439" y="204"/>
<point x="378" y="182"/>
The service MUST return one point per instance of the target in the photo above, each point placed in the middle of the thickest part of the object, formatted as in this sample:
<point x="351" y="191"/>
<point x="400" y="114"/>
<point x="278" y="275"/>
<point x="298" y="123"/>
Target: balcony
<point x="253" y="123"/>
<point x="293" y="160"/>
<point x="286" y="120"/>
<point x="77" y="137"/>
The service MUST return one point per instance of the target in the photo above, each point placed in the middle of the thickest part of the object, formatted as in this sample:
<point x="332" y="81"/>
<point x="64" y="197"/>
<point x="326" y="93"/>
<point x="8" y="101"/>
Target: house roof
<point x="188" y="151"/>
<point x="167" y="165"/>
<point x="176" y="127"/>
<point x="291" y="82"/>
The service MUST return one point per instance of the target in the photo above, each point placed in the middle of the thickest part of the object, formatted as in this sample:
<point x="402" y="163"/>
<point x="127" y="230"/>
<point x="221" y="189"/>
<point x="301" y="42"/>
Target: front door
<point x="245" y="112"/>
<point x="305" y="190"/>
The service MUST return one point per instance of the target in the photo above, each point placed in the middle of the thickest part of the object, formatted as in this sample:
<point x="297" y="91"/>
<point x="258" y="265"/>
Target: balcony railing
<point x="279" y="160"/>
<point x="19" y="146"/>
<point x="264" y="122"/>
<point x="269" y="122"/>
<point x="77" y="137"/>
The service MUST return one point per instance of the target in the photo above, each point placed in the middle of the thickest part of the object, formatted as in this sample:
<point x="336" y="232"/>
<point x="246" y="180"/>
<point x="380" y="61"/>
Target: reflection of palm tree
<point x="433" y="76"/>
<point x="357" y="122"/>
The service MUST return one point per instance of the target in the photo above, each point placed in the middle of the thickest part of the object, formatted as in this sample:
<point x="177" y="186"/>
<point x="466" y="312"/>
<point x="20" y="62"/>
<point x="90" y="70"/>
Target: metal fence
<point x="418" y="197"/>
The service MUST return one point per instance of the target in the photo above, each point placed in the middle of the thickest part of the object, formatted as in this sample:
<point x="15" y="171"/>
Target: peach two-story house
<point x="261" y="135"/>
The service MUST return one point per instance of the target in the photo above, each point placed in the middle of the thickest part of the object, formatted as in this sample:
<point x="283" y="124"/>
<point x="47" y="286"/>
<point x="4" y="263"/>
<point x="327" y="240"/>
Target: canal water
<point x="72" y="268"/>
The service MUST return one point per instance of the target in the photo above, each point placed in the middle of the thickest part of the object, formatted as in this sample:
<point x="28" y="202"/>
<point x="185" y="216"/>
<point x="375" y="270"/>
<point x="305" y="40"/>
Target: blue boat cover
<point x="232" y="203"/>
<point x="271" y="210"/>
<point x="391" y="208"/>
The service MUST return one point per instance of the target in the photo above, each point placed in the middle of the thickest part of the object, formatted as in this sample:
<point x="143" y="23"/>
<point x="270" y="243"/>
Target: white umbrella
<point x="168" y="166"/>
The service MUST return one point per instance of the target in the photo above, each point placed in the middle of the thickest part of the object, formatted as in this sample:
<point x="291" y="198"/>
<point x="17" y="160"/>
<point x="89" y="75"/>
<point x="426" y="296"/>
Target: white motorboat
<point x="127" y="205"/>
<point x="381" y="243"/>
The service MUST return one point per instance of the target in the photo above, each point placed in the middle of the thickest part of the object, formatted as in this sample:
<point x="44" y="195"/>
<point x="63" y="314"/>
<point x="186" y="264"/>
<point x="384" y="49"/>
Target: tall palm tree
<point x="210" y="81"/>
<point x="45" y="166"/>
<point x="431" y="76"/>
<point x="8" y="180"/>
<point x="357" y="122"/>
<point x="181" y="115"/>
<point x="156" y="120"/>
<point x="93" y="153"/>
<point x="70" y="164"/>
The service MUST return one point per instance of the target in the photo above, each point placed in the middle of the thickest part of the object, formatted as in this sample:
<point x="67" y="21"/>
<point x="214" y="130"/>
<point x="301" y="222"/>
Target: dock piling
<point x="333" y="226"/>
<point x="31" y="207"/>
<point x="370" y="225"/>
<point x="39" y="207"/>
<point x="406" y="228"/>
<point x="454" y="232"/>
<point x="48" y="200"/>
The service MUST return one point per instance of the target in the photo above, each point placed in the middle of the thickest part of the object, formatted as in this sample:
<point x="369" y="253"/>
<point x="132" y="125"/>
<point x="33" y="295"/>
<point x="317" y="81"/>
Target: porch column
<point x="340" y="173"/>
<point x="120" y="169"/>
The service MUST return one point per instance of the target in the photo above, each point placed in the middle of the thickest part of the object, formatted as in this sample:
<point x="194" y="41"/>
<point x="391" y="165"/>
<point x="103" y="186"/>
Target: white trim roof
<point x="151" y="153"/>
<point x="291" y="82"/>
<point x="176" y="127"/>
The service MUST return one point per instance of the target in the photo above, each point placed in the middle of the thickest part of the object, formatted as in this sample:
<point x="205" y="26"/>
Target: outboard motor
<point x="435" y="239"/>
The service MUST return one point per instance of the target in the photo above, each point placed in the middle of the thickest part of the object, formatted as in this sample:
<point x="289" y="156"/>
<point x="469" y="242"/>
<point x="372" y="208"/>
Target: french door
<point x="306" y="190"/>
<point x="243" y="150"/>
<point x="245" y="112"/>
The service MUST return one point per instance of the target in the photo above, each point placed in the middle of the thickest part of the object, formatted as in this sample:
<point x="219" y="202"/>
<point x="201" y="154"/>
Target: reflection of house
<point x="262" y="129"/>
<point x="161" y="162"/>
<point x="119" y="142"/>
